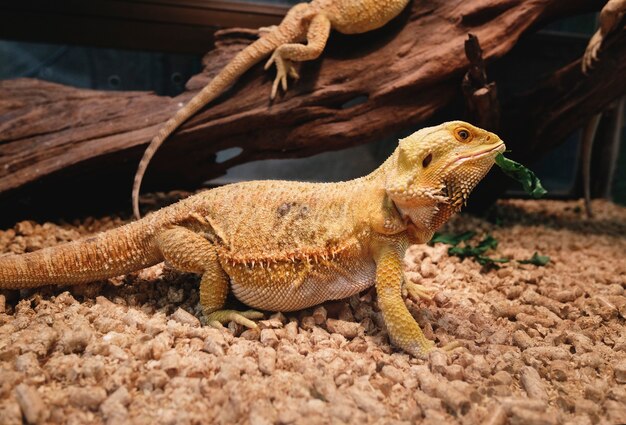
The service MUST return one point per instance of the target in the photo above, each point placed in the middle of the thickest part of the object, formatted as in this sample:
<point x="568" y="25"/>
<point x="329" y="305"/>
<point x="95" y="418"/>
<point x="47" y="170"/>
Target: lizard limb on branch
<point x="284" y="246"/>
<point x="610" y="17"/>
<point x="305" y="22"/>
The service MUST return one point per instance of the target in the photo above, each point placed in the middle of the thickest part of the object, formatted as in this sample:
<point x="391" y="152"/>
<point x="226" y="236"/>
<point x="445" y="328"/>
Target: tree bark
<point x="58" y="142"/>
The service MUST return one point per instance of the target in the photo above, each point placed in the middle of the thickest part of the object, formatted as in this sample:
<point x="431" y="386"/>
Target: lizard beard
<point x="437" y="200"/>
<point x="457" y="187"/>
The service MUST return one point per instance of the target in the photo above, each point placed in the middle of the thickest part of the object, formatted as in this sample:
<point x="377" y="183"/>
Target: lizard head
<point x="433" y="171"/>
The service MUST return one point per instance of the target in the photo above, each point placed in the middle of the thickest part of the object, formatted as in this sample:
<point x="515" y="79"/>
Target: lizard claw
<point x="451" y="346"/>
<point x="420" y="292"/>
<point x="222" y="317"/>
<point x="284" y="69"/>
<point x="591" y="54"/>
<point x="422" y="348"/>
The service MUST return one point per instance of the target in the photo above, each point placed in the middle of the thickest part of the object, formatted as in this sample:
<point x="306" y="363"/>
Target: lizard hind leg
<point x="286" y="55"/>
<point x="188" y="251"/>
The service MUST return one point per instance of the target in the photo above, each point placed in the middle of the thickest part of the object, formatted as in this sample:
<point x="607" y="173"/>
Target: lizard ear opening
<point x="427" y="160"/>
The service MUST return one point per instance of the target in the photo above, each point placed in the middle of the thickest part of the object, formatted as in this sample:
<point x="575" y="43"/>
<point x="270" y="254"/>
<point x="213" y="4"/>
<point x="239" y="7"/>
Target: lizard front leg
<point x="610" y="15"/>
<point x="187" y="251"/>
<point x="402" y="328"/>
<point x="285" y="55"/>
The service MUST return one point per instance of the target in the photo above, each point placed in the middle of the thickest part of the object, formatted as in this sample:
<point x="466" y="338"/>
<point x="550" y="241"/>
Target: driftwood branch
<point x="363" y="88"/>
<point x="481" y="96"/>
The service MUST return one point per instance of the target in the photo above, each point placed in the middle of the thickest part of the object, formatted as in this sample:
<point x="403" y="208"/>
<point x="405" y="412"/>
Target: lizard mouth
<point x="500" y="147"/>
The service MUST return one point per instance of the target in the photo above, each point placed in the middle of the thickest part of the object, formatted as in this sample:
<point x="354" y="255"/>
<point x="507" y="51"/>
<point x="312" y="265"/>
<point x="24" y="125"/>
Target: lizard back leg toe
<point x="244" y="318"/>
<point x="420" y="292"/>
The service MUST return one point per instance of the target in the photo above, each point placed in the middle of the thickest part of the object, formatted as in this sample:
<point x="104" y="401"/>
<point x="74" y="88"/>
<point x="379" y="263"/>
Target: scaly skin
<point x="308" y="23"/>
<point x="285" y="246"/>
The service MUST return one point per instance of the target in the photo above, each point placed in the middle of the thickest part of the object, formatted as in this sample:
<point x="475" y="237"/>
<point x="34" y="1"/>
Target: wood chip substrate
<point x="538" y="344"/>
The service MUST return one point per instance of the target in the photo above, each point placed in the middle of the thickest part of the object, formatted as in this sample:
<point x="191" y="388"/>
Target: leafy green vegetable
<point x="537" y="260"/>
<point x="489" y="242"/>
<point x="528" y="179"/>
<point x="450" y="239"/>
<point x="478" y="251"/>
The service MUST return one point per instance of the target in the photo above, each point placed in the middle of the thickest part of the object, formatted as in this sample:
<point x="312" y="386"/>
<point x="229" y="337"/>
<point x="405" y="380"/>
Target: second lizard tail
<point x="242" y="62"/>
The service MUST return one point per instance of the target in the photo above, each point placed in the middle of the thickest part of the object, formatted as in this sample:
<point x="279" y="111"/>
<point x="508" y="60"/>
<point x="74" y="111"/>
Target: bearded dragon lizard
<point x="285" y="246"/>
<point x="310" y="22"/>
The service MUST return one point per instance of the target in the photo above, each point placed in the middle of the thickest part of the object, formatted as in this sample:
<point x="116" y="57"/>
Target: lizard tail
<point x="242" y="62"/>
<point x="104" y="255"/>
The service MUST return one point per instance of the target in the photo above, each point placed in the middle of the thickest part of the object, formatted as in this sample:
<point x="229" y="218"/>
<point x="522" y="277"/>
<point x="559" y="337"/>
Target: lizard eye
<point x="427" y="160"/>
<point x="462" y="135"/>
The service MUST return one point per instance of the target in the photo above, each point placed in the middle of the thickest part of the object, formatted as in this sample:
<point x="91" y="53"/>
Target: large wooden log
<point x="59" y="143"/>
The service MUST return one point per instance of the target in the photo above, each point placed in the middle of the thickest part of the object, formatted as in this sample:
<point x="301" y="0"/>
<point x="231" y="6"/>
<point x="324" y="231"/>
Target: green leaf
<point x="489" y="242"/>
<point x="451" y="239"/>
<point x="537" y="260"/>
<point x="530" y="182"/>
<point x="465" y="251"/>
<point x="477" y="252"/>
